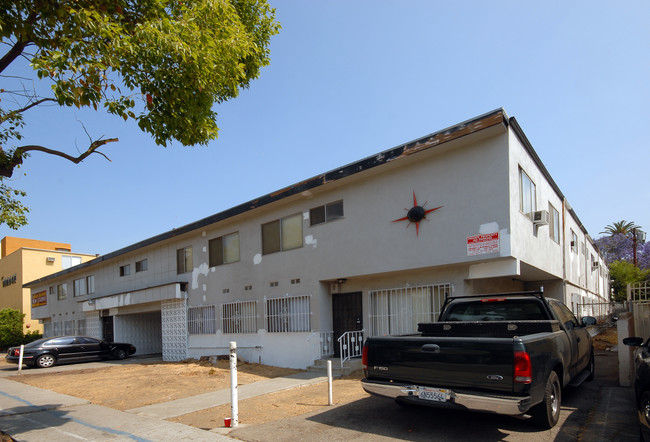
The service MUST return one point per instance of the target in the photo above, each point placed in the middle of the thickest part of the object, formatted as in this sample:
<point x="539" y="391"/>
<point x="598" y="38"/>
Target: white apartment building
<point x="375" y="245"/>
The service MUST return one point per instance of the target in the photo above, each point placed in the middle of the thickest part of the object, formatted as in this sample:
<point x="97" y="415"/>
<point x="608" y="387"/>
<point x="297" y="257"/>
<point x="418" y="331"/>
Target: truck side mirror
<point x="633" y="341"/>
<point x="588" y="320"/>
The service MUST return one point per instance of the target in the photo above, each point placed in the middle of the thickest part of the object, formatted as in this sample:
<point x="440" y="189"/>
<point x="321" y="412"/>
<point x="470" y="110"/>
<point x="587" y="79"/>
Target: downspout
<point x="564" y="276"/>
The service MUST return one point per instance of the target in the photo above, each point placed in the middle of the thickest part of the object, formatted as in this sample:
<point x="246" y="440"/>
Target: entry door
<point x="107" y="328"/>
<point x="346" y="315"/>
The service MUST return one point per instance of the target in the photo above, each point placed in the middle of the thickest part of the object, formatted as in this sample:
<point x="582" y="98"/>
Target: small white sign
<point x="482" y="244"/>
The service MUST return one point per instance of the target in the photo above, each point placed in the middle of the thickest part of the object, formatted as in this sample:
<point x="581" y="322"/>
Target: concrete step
<point x="320" y="366"/>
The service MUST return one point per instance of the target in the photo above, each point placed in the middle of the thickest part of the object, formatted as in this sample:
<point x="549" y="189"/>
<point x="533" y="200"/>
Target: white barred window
<point x="398" y="311"/>
<point x="202" y="320"/>
<point x="239" y="317"/>
<point x="290" y="314"/>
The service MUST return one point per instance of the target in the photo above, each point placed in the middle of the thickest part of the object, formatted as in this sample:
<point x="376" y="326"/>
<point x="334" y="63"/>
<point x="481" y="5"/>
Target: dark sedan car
<point x="46" y="352"/>
<point x="641" y="382"/>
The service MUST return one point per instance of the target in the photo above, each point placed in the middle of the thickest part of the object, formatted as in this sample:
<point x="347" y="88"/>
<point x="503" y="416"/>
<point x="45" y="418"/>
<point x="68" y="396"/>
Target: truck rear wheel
<point x="547" y="413"/>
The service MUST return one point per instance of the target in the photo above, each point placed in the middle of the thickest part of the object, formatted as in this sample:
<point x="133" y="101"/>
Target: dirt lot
<point x="135" y="385"/>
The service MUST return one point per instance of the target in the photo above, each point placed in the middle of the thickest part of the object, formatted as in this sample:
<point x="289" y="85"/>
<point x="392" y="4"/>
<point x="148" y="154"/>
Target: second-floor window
<point x="574" y="242"/>
<point x="79" y="287"/>
<point x="554" y="223"/>
<point x="184" y="260"/>
<point x="141" y="266"/>
<point x="61" y="291"/>
<point x="282" y="234"/>
<point x="90" y="283"/>
<point x="326" y="213"/>
<point x="83" y="286"/>
<point x="527" y="199"/>
<point x="224" y="250"/>
<point x="125" y="270"/>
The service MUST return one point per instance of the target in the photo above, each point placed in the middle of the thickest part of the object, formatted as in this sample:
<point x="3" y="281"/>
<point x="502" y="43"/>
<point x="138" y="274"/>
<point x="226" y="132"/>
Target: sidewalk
<point x="32" y="414"/>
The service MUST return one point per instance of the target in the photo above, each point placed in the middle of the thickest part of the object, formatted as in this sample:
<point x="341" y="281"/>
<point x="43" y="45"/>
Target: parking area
<point x="596" y="411"/>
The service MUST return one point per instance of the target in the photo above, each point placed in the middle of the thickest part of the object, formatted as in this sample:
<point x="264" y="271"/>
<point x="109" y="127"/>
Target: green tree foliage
<point x="11" y="327"/>
<point x="162" y="63"/>
<point x="622" y="227"/>
<point x="623" y="273"/>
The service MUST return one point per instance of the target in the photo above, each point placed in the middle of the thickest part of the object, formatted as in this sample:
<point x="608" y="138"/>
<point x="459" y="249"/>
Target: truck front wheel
<point x="547" y="413"/>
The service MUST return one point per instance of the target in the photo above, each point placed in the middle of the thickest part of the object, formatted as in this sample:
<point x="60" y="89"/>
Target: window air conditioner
<point x="540" y="217"/>
<point x="50" y="259"/>
<point x="594" y="265"/>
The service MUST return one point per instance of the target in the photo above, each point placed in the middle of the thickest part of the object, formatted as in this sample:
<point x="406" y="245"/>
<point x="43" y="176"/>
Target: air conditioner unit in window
<point x="50" y="259"/>
<point x="540" y="217"/>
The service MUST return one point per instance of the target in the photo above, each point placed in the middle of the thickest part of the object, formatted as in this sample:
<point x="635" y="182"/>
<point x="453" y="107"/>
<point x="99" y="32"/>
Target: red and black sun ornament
<point x="416" y="214"/>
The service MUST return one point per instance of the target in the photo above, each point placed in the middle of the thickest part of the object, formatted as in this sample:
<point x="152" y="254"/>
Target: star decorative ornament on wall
<point x="416" y="214"/>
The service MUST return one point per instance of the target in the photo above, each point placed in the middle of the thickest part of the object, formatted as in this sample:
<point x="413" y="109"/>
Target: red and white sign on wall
<point x="39" y="299"/>
<point x="482" y="244"/>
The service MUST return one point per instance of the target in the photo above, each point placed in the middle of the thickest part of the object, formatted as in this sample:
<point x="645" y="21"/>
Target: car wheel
<point x="592" y="367"/>
<point x="644" y="412"/>
<point x="119" y="354"/>
<point x="44" y="361"/>
<point x="547" y="413"/>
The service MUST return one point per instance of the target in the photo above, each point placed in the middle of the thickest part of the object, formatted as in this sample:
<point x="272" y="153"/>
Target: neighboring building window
<point x="239" y="317"/>
<point x="90" y="283"/>
<point x="125" y="270"/>
<point x="527" y="199"/>
<point x="326" y="213"/>
<point x="574" y="242"/>
<point x="141" y="266"/>
<point x="398" y="311"/>
<point x="290" y="314"/>
<point x="184" y="260"/>
<point x="202" y="320"/>
<point x="282" y="234"/>
<point x="61" y="291"/>
<point x="69" y="261"/>
<point x="79" y="287"/>
<point x="554" y="223"/>
<point x="224" y="250"/>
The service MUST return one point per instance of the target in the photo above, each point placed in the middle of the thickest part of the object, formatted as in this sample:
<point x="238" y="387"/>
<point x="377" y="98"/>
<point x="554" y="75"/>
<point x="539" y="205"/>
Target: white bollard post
<point x="329" y="382"/>
<point x="20" y="359"/>
<point x="234" y="408"/>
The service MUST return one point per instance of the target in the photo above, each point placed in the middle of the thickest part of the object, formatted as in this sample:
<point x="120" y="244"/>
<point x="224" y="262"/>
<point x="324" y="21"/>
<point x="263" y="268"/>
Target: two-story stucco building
<point x="375" y="245"/>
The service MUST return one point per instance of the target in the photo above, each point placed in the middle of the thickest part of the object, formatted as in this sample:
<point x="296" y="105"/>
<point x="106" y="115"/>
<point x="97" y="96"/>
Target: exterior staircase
<point x="320" y="366"/>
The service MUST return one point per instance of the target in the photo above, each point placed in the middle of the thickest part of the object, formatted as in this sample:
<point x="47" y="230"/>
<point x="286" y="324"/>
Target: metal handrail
<point x="350" y="345"/>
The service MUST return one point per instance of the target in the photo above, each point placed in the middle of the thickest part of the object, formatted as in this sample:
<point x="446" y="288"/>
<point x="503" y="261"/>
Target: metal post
<point x="20" y="359"/>
<point x="329" y="382"/>
<point x="234" y="408"/>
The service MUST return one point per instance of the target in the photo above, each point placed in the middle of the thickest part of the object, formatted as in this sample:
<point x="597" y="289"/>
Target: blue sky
<point x="352" y="78"/>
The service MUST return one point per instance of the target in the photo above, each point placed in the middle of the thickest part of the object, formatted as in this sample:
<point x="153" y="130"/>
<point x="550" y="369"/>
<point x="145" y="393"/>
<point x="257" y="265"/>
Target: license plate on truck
<point x="433" y="394"/>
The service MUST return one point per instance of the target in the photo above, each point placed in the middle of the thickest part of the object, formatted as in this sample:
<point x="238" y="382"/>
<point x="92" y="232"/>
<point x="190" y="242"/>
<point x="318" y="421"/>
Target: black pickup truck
<point x="506" y="353"/>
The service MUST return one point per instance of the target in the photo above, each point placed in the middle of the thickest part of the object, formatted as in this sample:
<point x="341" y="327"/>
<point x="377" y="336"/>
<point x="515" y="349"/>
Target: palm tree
<point x="623" y="227"/>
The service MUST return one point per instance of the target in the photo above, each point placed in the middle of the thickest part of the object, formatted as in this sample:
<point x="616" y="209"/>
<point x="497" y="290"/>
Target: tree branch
<point x="13" y="53"/>
<point x="7" y="167"/>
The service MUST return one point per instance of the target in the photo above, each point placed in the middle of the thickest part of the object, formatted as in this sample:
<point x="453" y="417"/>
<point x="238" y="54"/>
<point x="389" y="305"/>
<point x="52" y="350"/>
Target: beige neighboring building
<point x="23" y="260"/>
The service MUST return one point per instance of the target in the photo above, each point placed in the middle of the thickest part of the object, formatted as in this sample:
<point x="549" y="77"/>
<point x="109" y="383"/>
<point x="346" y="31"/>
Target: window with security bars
<point x="290" y="314"/>
<point x="239" y="317"/>
<point x="398" y="311"/>
<point x="202" y="320"/>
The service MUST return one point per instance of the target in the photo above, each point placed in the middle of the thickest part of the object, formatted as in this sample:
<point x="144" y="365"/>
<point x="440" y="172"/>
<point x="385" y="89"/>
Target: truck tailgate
<point x="446" y="362"/>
